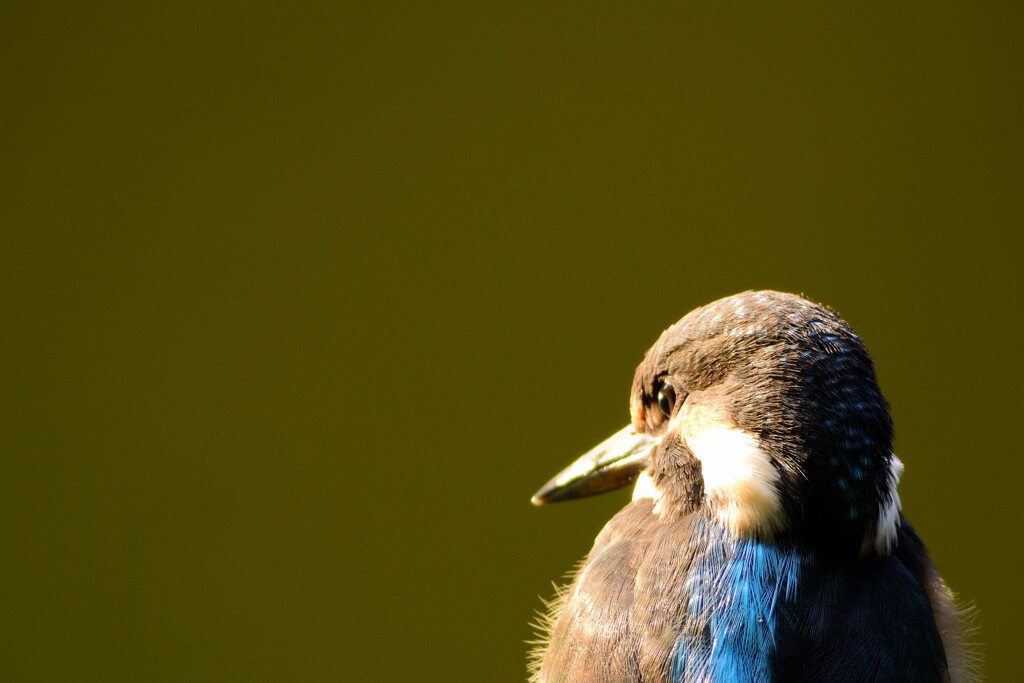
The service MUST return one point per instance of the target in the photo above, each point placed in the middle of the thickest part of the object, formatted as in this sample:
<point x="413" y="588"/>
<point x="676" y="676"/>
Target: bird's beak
<point x="615" y="462"/>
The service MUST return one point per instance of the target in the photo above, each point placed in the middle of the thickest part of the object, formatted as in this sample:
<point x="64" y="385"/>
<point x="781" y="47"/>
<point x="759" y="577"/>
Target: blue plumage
<point x="735" y="590"/>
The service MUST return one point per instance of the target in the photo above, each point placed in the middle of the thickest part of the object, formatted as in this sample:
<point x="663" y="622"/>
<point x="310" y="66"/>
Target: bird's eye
<point x="666" y="399"/>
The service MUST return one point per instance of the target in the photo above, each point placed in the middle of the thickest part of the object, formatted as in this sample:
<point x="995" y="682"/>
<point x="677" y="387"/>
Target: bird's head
<point x="761" y="410"/>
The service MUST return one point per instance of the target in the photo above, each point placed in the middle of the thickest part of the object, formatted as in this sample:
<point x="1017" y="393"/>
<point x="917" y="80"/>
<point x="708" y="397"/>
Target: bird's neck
<point x="734" y="586"/>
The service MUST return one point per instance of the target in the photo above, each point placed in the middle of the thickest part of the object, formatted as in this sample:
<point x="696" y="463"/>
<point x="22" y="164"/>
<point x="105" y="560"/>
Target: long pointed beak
<point x="615" y="462"/>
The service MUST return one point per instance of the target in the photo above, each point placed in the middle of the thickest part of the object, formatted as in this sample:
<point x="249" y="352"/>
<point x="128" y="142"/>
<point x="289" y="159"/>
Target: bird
<point x="765" y="539"/>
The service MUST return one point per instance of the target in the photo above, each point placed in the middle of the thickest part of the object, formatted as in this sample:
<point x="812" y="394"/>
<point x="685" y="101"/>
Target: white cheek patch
<point x="739" y="480"/>
<point x="889" y="513"/>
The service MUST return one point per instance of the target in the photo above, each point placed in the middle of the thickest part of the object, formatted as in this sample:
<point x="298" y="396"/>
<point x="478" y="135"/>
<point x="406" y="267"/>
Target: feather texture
<point x="682" y="600"/>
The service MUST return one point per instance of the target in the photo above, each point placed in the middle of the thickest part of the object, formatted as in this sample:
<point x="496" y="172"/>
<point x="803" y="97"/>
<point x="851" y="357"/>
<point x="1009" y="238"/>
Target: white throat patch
<point x="645" y="487"/>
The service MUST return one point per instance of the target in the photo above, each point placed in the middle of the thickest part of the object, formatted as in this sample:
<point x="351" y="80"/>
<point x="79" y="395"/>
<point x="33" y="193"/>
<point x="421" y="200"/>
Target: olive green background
<point x="301" y="303"/>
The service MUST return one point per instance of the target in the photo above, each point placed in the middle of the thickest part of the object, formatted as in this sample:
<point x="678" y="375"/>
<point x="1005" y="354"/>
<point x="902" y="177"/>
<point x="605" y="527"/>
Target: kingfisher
<point x="765" y="540"/>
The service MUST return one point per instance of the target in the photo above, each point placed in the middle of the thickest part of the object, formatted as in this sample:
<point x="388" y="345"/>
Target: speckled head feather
<point x="794" y="376"/>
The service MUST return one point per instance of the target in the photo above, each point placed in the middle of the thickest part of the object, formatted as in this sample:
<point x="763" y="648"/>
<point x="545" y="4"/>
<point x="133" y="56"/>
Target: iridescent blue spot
<point x="733" y="638"/>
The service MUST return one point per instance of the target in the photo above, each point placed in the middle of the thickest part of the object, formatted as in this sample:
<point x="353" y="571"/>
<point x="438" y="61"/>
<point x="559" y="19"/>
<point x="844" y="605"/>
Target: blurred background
<point x="301" y="303"/>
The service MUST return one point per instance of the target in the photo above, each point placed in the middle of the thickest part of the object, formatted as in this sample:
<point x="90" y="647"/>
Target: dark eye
<point x="666" y="399"/>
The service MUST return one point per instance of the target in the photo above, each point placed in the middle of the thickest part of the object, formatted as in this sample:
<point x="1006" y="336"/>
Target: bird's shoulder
<point x="655" y="595"/>
<point x="621" y="615"/>
<point x="865" y="619"/>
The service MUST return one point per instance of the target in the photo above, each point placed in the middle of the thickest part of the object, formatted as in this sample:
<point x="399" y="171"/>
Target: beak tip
<point x="544" y="496"/>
